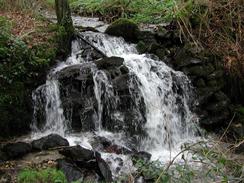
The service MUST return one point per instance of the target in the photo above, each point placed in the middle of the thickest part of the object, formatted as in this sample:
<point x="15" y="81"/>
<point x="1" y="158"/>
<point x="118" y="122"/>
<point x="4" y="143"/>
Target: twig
<point x="227" y="127"/>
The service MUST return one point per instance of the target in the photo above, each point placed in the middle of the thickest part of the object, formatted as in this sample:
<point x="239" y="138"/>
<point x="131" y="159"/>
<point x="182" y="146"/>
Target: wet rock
<point x="200" y="83"/>
<point x="216" y="83"/>
<point x="220" y="96"/>
<point x="104" y="168"/>
<point x="204" y="94"/>
<point x="217" y="107"/>
<point x="77" y="153"/>
<point x="147" y="37"/>
<point x="100" y="143"/>
<point x="50" y="141"/>
<point x="15" y="150"/>
<point x="117" y="149"/>
<point x="124" y="28"/>
<point x="141" y="47"/>
<point x="104" y="144"/>
<point x="109" y="62"/>
<point x="120" y="83"/>
<point x="216" y="75"/>
<point x="71" y="171"/>
<point x="142" y="155"/>
<point x="199" y="70"/>
<point x="210" y="122"/>
<point x="161" y="53"/>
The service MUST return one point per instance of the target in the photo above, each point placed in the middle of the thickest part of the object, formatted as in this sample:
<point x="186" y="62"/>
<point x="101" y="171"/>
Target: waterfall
<point x="165" y="94"/>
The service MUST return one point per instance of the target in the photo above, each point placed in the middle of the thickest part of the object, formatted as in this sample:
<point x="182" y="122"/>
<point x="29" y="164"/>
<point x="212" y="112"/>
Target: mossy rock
<point x="124" y="28"/>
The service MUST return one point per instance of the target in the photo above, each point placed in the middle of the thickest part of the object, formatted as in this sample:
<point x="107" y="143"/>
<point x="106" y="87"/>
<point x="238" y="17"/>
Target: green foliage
<point x="21" y="70"/>
<point x="40" y="176"/>
<point x="141" y="11"/>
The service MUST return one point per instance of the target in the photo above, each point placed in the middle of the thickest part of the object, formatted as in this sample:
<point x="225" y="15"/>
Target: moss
<point x="124" y="28"/>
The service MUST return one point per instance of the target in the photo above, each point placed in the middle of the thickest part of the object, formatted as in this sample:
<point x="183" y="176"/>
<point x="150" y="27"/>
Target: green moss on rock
<point x="124" y="28"/>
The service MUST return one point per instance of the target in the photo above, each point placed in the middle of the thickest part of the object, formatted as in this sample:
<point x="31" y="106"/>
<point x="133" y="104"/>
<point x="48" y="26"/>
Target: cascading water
<point x="55" y="120"/>
<point x="160" y="100"/>
<point x="165" y="92"/>
<point x="104" y="94"/>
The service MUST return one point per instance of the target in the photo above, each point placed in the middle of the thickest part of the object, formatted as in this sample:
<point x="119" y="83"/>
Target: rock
<point x="147" y="37"/>
<point x="184" y="59"/>
<point x="141" y="47"/>
<point x="121" y="83"/>
<point x="216" y="82"/>
<point x="109" y="62"/>
<point x="240" y="149"/>
<point x="220" y="96"/>
<point x="216" y="75"/>
<point x="78" y="153"/>
<point x="68" y="72"/>
<point x="238" y="130"/>
<point x="212" y="121"/>
<point x="16" y="150"/>
<point x="3" y="156"/>
<point x="153" y="47"/>
<point x="104" y="168"/>
<point x="204" y="94"/>
<point x="142" y="155"/>
<point x="161" y="53"/>
<point x="124" y="28"/>
<point x="199" y="70"/>
<point x="200" y="83"/>
<point x="217" y="107"/>
<point x="50" y="141"/>
<point x="71" y="171"/>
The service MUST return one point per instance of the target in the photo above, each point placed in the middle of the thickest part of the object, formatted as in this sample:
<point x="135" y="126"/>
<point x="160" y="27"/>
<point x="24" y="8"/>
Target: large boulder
<point x="105" y="171"/>
<point x="50" y="141"/>
<point x="71" y="171"/>
<point x="15" y="150"/>
<point x="78" y="153"/>
<point x="124" y="28"/>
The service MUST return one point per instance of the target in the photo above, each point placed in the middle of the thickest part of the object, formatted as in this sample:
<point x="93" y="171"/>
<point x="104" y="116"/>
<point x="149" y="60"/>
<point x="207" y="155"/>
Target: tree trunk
<point x="64" y="19"/>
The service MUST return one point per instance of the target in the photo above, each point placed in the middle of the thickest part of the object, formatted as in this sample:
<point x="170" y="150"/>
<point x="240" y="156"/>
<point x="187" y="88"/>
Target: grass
<point x="48" y="175"/>
<point x="141" y="11"/>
